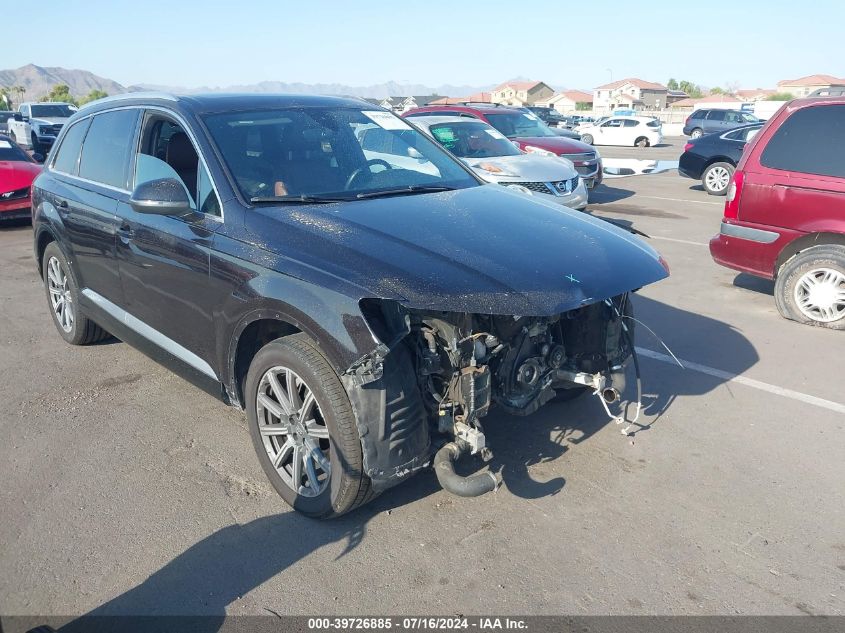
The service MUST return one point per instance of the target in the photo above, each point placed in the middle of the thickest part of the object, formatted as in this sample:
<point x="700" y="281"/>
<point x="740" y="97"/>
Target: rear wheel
<point x="696" y="133"/>
<point x="716" y="178"/>
<point x="641" y="142"/>
<point x="587" y="138"/>
<point x="810" y="287"/>
<point x="304" y="430"/>
<point x="63" y="299"/>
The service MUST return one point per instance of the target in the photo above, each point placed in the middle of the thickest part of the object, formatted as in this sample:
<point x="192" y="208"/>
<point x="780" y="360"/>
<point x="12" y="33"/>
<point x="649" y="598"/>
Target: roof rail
<point x="133" y="95"/>
<point x="482" y="103"/>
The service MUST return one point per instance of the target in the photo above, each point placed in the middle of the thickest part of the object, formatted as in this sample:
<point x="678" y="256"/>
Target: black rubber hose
<point x="472" y="486"/>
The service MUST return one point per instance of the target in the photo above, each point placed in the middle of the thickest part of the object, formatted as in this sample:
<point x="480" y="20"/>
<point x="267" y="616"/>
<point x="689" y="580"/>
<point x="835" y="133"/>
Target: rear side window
<point x="105" y="153"/>
<point x="716" y="115"/>
<point x="653" y="123"/>
<point x="811" y="141"/>
<point x="67" y="157"/>
<point x="698" y="114"/>
<point x="631" y="123"/>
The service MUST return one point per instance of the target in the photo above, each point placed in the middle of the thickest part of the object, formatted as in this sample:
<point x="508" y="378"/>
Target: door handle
<point x="126" y="232"/>
<point x="63" y="208"/>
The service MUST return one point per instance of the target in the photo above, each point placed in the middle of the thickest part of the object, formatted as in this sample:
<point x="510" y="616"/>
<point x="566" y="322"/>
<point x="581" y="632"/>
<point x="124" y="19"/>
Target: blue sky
<point x="362" y="42"/>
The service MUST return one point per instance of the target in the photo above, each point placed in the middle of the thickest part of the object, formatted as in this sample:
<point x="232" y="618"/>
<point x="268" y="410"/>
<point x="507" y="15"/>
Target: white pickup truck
<point x="37" y="125"/>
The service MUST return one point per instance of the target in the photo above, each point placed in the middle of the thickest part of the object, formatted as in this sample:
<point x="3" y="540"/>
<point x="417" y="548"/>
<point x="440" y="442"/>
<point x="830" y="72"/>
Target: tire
<point x="330" y="425"/>
<point x="810" y="287"/>
<point x="641" y="142"/>
<point x="587" y="138"/>
<point x="36" y="148"/>
<point x="716" y="178"/>
<point x="697" y="133"/>
<point x="59" y="283"/>
<point x="14" y="138"/>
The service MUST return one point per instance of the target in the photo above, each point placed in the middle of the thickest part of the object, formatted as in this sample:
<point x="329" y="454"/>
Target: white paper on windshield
<point x="386" y="120"/>
<point x="495" y="134"/>
<point x="5" y="145"/>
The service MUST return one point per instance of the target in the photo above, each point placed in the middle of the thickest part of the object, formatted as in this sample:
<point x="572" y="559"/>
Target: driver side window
<point x="167" y="152"/>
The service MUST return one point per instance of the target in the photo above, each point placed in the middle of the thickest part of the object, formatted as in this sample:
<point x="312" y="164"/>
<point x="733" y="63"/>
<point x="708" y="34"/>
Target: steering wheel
<point x="366" y="166"/>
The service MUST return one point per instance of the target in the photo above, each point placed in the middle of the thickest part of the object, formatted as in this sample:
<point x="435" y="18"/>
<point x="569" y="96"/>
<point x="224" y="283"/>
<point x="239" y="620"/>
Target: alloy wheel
<point x="717" y="179"/>
<point x="820" y="295"/>
<point x="696" y="134"/>
<point x="61" y="298"/>
<point x="293" y="431"/>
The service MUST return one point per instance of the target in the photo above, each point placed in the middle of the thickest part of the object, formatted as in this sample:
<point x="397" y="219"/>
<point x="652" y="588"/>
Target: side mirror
<point x="413" y="152"/>
<point x="38" y="158"/>
<point x="17" y="116"/>
<point x="165" y="196"/>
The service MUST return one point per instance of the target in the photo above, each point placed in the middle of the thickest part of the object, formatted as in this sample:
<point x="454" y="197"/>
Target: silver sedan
<point x="496" y="159"/>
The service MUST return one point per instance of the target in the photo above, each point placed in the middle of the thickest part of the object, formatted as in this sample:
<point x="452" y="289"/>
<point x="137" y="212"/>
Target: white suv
<point x="639" y="131"/>
<point x="37" y="124"/>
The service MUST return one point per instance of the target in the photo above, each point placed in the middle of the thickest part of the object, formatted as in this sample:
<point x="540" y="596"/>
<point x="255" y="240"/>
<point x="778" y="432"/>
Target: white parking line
<point x="672" y="239"/>
<point x="748" y="382"/>
<point x="718" y="204"/>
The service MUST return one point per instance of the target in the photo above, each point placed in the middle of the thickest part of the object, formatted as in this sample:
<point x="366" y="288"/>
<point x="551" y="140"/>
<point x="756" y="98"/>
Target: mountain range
<point x="39" y="80"/>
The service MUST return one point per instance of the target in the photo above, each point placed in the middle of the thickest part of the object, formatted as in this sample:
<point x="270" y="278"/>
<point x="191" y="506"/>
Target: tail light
<point x="733" y="196"/>
<point x="688" y="146"/>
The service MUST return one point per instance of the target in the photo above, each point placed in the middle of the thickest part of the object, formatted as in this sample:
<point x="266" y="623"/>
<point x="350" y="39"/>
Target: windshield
<point x="473" y="139"/>
<point x="315" y="152"/>
<point x="11" y="152"/>
<point x="57" y="110"/>
<point x="519" y="124"/>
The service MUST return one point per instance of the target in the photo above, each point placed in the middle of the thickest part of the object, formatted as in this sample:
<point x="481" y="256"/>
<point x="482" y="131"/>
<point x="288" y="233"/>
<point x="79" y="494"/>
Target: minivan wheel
<point x="696" y="133"/>
<point x="810" y="287"/>
<point x="587" y="138"/>
<point x="63" y="299"/>
<point x="303" y="429"/>
<point x="716" y="178"/>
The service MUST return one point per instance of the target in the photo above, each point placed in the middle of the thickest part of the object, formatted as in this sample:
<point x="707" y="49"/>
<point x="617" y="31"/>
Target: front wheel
<point x="810" y="287"/>
<point x="716" y="178"/>
<point x="587" y="138"/>
<point x="303" y="429"/>
<point x="641" y="142"/>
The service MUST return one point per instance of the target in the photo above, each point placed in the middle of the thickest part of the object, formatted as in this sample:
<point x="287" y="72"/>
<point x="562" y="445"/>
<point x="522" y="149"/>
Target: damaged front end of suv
<point x="440" y="372"/>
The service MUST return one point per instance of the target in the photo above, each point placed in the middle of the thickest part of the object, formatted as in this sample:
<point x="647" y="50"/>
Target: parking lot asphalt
<point x="126" y="490"/>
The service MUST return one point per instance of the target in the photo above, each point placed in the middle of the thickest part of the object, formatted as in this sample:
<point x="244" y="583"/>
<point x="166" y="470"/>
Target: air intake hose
<point x="444" y="467"/>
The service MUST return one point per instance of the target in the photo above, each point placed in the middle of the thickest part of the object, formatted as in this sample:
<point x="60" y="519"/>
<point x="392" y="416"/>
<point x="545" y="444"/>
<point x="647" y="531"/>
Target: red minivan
<point x="785" y="211"/>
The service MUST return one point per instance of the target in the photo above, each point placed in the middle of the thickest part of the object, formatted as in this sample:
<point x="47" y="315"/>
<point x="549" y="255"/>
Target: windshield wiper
<point x="404" y="191"/>
<point x="295" y="199"/>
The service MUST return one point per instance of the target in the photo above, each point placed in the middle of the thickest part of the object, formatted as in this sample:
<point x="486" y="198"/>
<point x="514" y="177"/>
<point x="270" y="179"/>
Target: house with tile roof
<point x="478" y="97"/>
<point x="750" y="95"/>
<point x="710" y="101"/>
<point x="568" y="101"/>
<point x="521" y="93"/>
<point x="805" y="85"/>
<point x="629" y="93"/>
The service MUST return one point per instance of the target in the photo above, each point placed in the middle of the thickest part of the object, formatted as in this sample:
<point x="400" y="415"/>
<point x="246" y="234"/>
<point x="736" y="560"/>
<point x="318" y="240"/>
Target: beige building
<point x="521" y="93"/>
<point x="630" y="93"/>
<point x="805" y="85"/>
<point x="567" y="101"/>
<point x="754" y="94"/>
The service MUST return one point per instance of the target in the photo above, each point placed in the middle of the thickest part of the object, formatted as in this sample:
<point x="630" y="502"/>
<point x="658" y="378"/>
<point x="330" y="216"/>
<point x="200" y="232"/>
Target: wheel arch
<point x="43" y="238"/>
<point x="805" y="242"/>
<point x="719" y="159"/>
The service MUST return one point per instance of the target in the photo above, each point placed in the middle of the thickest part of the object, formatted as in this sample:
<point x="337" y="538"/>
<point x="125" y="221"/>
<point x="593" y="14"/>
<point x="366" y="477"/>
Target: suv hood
<point x="482" y="250"/>
<point x="528" y="167"/>
<point x="556" y="144"/>
<point x="49" y="120"/>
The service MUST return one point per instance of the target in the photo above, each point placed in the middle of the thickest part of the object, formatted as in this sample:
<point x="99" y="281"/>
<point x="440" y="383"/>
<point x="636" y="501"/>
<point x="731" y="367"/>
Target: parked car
<point x="36" y="125"/>
<point x="709" y="121"/>
<point x="5" y="115"/>
<point x="549" y="116"/>
<point x="528" y="132"/>
<point x="784" y="214"/>
<point x="365" y="313"/>
<point x="636" y="131"/>
<point x="17" y="171"/>
<point x="832" y="91"/>
<point x="495" y="159"/>
<point x="712" y="158"/>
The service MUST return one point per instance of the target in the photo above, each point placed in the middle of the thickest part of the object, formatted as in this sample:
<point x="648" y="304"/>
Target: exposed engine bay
<point x="467" y="363"/>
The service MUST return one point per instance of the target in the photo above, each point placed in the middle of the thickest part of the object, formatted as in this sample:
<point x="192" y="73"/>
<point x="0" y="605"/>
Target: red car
<point x="17" y="171"/>
<point x="784" y="214"/>
<point x="528" y="132"/>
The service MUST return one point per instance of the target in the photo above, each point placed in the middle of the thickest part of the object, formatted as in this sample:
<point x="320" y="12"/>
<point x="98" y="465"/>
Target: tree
<point x="59" y="92"/>
<point x="583" y="105"/>
<point x="672" y="84"/>
<point x="780" y="96"/>
<point x="20" y="91"/>
<point x="692" y="90"/>
<point x="92" y="96"/>
<point x="717" y="91"/>
<point x="5" y="99"/>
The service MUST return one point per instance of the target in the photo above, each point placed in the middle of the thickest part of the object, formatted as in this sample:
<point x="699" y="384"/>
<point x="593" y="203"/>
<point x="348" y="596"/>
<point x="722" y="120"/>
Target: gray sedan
<point x="496" y="159"/>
